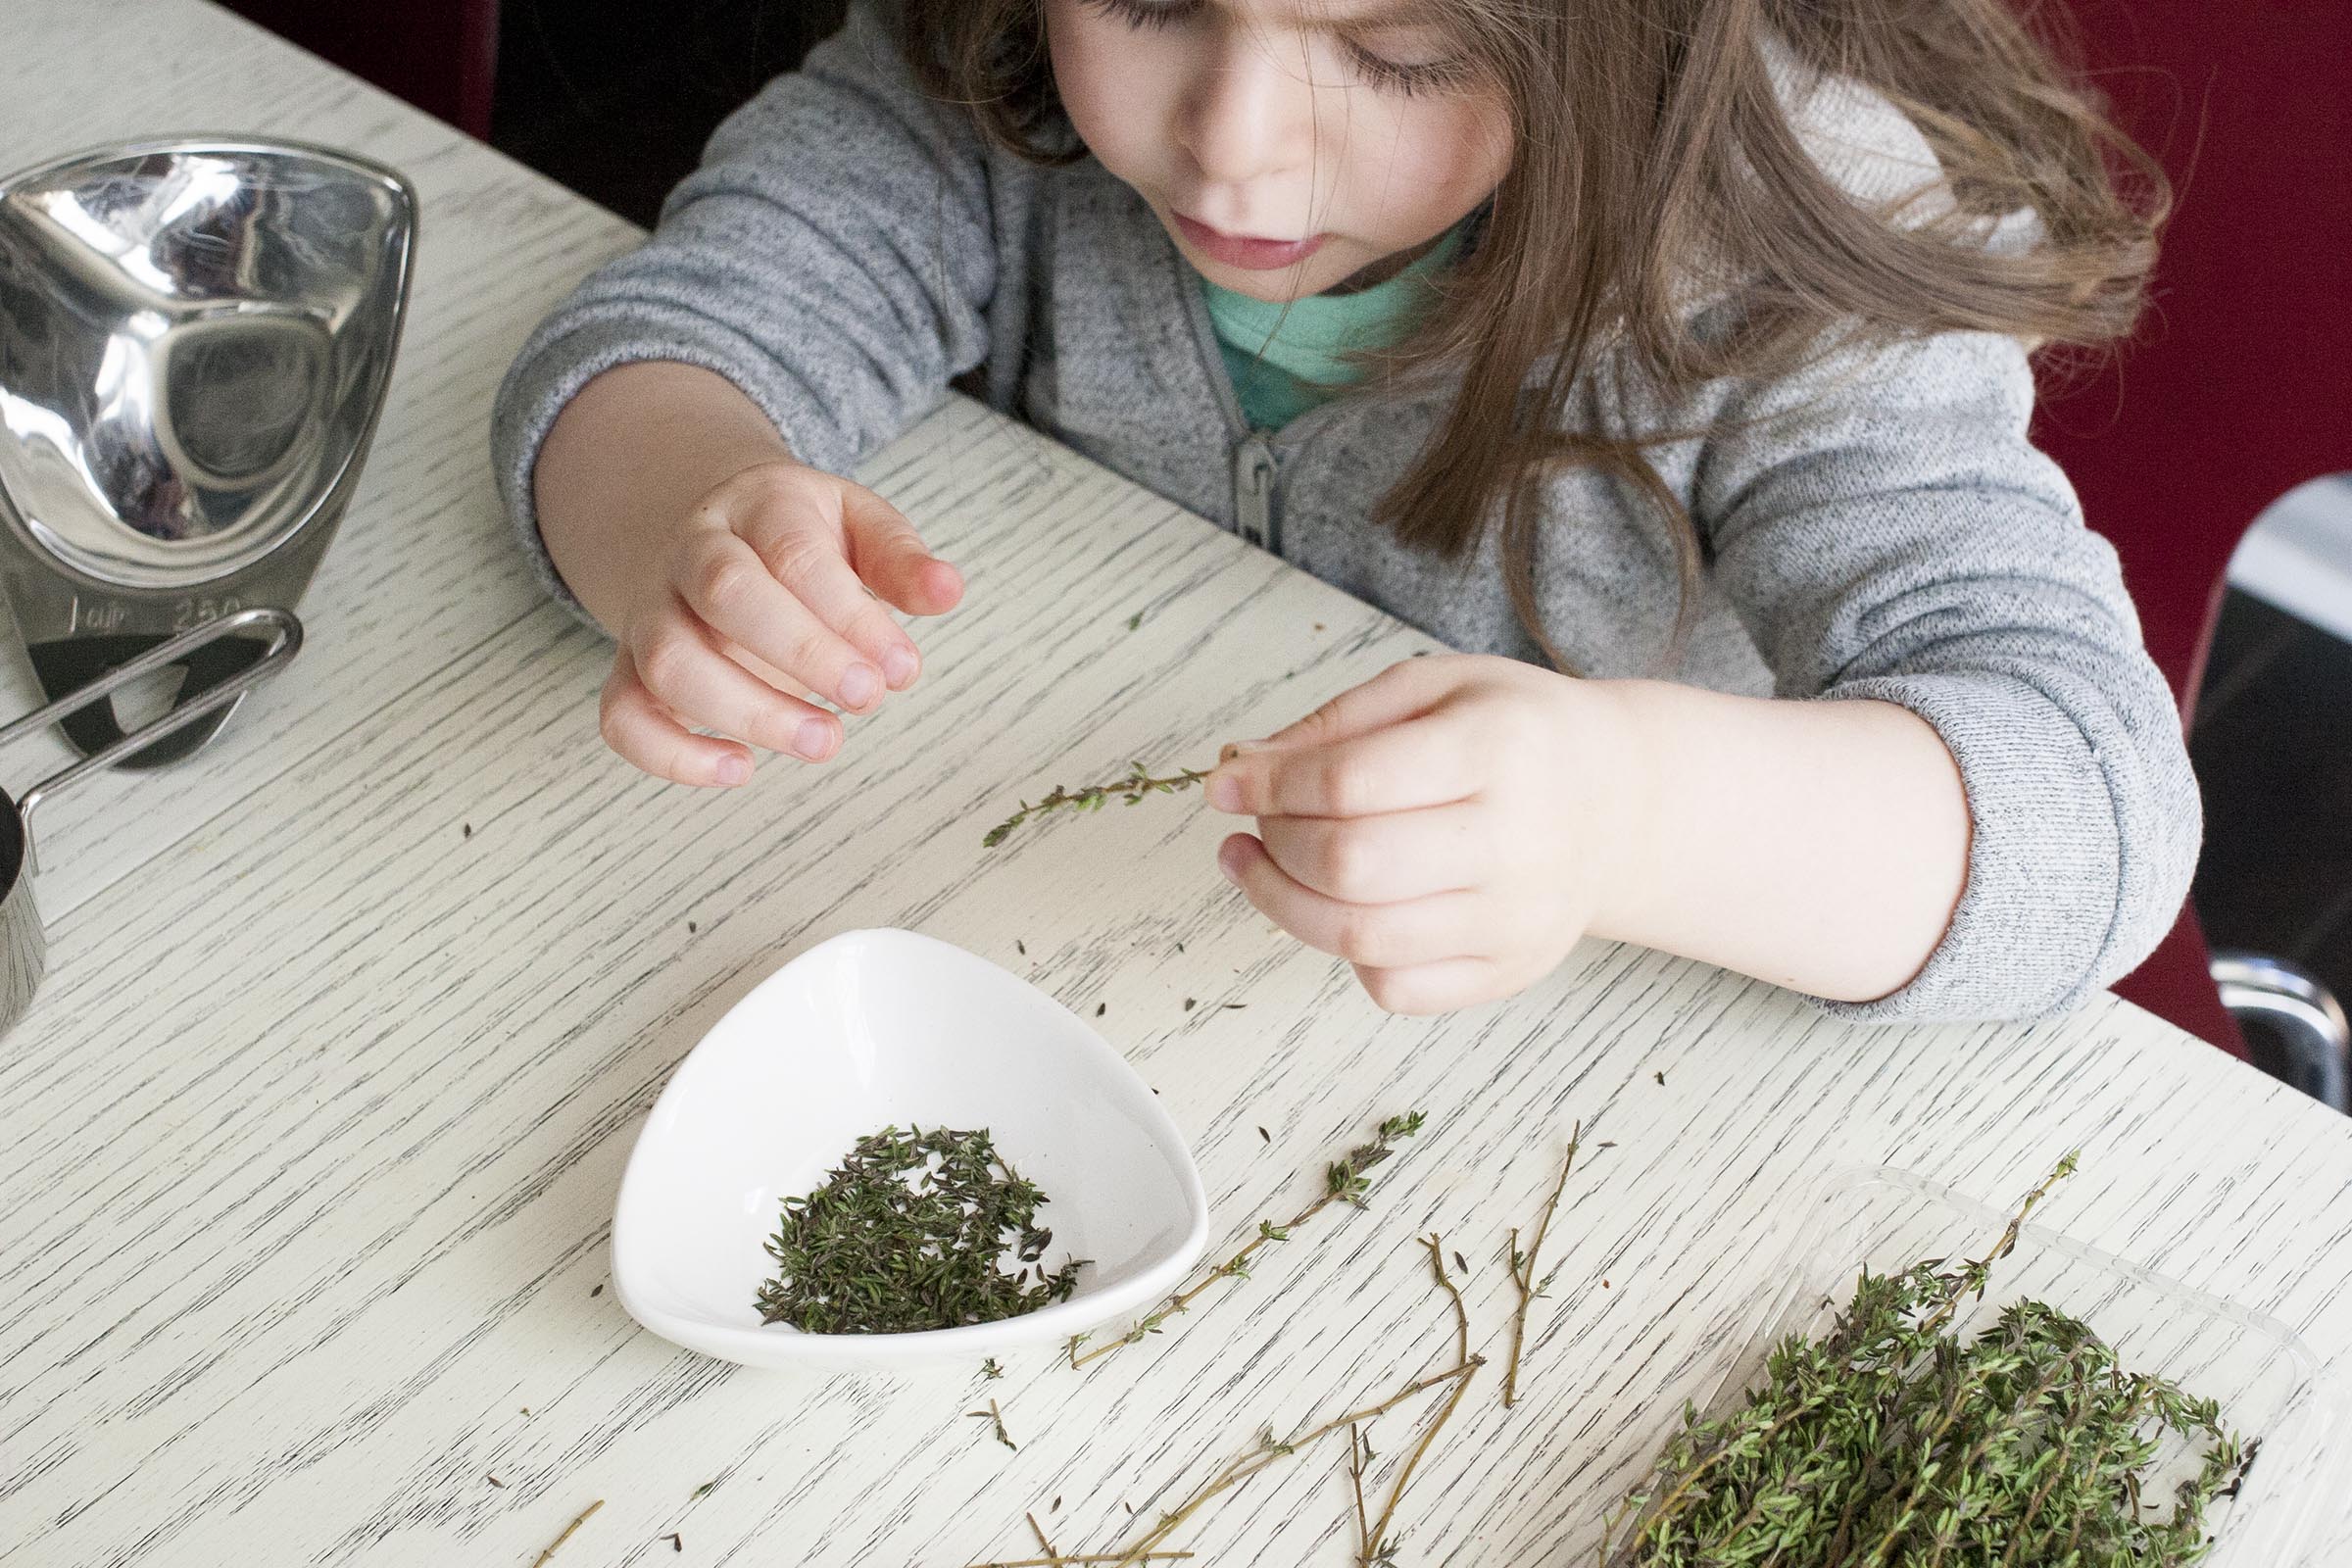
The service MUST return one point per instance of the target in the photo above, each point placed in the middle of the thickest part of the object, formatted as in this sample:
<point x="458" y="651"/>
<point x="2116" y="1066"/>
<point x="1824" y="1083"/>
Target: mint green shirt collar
<point x="1285" y="360"/>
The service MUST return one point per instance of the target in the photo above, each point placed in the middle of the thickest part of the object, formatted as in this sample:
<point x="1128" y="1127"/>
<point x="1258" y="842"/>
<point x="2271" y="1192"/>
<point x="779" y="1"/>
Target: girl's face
<point x="1287" y="145"/>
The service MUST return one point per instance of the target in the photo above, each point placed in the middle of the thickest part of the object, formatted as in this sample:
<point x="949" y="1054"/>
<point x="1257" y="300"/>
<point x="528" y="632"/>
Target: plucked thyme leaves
<point x="910" y="1232"/>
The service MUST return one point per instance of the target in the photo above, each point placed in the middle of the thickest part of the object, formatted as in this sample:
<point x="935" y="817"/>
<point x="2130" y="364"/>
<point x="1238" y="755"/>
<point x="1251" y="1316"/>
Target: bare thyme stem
<point x="1057" y="1561"/>
<point x="1523" y="1270"/>
<point x="1355" y="1479"/>
<point x="1269" y="1450"/>
<point x="541" y="1560"/>
<point x="1462" y="1324"/>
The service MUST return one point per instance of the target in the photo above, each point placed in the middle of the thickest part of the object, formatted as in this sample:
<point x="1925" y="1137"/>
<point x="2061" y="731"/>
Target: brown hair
<point x="1672" y="142"/>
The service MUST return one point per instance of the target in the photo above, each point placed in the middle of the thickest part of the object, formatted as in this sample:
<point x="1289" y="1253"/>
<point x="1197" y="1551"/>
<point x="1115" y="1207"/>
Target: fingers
<point x="1413" y="931"/>
<point x="1385" y="859"/>
<point x="1406" y="766"/>
<point x="687" y="681"/>
<point x="830" y="546"/>
<point x="636" y="727"/>
<point x="1410" y="957"/>
<point x="886" y="553"/>
<point x="1404" y="689"/>
<point x="725" y="583"/>
<point x="770" y="595"/>
<point x="1440" y="986"/>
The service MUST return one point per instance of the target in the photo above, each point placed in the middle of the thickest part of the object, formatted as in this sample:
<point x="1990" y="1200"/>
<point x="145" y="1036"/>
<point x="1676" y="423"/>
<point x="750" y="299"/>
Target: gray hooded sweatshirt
<point x="1878" y="527"/>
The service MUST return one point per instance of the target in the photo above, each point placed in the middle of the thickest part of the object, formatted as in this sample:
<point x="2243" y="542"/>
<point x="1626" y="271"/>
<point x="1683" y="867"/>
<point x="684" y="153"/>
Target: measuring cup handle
<point x="286" y="644"/>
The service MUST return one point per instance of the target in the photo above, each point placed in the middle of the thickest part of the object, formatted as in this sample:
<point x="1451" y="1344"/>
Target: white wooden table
<point x="309" y="1149"/>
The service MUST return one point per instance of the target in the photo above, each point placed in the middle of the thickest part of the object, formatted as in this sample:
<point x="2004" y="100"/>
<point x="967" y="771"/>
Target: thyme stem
<point x="541" y="1560"/>
<point x="1269" y="1450"/>
<point x="1523" y="1270"/>
<point x="1377" y="1547"/>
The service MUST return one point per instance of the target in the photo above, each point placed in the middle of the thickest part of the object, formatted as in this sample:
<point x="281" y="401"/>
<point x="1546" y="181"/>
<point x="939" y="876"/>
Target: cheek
<point x="1440" y="159"/>
<point x="1111" y="79"/>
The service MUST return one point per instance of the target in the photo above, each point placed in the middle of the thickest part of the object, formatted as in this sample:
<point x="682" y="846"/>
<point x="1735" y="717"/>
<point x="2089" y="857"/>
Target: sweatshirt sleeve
<point x="833" y="256"/>
<point x="1887" y="530"/>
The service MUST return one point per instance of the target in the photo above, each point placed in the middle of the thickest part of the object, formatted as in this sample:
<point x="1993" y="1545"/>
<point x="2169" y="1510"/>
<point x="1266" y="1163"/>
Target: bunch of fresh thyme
<point x="907" y="1234"/>
<point x="1892" y="1441"/>
<point x="1138" y="783"/>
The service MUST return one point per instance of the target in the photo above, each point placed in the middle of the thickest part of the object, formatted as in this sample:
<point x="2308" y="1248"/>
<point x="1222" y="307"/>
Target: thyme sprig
<point x="1523" y="1269"/>
<point x="908" y="1234"/>
<point x="1345" y="1181"/>
<point x="1268" y="1450"/>
<point x="1132" y="788"/>
<point x="1889" y="1440"/>
<point x="1377" y="1548"/>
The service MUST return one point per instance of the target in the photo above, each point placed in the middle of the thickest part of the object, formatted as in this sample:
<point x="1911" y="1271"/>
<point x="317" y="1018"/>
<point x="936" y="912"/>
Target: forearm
<point x="1821" y="846"/>
<point x="625" y="464"/>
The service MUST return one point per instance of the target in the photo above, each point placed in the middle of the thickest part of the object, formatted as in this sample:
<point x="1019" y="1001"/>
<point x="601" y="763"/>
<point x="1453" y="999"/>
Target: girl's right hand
<point x="773" y="586"/>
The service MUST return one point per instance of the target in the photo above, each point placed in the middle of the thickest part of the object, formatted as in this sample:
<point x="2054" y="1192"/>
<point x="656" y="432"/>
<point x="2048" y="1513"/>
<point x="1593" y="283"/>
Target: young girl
<point x="1667" y="357"/>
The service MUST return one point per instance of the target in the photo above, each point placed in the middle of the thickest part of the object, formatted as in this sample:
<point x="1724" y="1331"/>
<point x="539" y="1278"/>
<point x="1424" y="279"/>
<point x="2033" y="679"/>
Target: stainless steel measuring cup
<point x="24" y="947"/>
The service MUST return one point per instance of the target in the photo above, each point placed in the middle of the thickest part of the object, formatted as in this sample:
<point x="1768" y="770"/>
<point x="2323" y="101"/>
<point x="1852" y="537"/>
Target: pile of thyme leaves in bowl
<point x="1890" y="1442"/>
<point x="910" y="1232"/>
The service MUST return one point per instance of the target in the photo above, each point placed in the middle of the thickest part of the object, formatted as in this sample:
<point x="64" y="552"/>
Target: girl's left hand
<point x="1451" y="826"/>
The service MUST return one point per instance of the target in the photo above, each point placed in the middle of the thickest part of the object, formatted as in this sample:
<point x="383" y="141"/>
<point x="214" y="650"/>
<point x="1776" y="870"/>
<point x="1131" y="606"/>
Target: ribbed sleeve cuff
<point x="2045" y="877"/>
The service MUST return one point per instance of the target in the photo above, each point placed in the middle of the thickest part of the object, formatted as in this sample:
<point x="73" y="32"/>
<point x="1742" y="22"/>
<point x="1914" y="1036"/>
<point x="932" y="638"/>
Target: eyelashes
<point x="1389" y="75"/>
<point x="1142" y="13"/>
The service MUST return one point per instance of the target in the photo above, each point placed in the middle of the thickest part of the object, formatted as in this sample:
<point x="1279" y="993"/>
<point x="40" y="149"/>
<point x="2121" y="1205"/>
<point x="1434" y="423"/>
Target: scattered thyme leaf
<point x="996" y="1418"/>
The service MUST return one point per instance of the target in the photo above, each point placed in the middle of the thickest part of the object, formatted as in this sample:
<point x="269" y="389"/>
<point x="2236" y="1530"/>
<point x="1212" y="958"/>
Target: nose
<point x="1248" y="113"/>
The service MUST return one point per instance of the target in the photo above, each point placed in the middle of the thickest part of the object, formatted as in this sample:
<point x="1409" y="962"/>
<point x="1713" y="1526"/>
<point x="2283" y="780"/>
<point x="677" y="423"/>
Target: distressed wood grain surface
<point x="312" y="1141"/>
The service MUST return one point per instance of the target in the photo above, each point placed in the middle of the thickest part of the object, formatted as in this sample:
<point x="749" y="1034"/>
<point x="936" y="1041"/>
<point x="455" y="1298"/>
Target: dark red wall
<point x="2239" y="385"/>
<point x="440" y="55"/>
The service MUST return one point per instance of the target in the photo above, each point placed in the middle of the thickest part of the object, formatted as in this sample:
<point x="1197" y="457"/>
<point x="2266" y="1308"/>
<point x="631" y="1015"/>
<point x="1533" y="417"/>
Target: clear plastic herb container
<point x="2268" y="1384"/>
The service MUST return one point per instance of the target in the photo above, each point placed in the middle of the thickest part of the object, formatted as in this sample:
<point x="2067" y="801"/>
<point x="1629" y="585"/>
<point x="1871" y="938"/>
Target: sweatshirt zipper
<point x="1254" y="496"/>
<point x="1256" y="470"/>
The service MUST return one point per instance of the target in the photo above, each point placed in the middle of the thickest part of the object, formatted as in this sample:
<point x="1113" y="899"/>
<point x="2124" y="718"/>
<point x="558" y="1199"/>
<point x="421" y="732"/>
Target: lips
<point x="1244" y="251"/>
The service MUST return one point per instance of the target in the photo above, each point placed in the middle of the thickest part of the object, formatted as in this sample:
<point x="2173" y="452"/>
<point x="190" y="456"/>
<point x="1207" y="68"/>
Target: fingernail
<point x="1229" y="859"/>
<point x="1225" y="793"/>
<point x="860" y="685"/>
<point x="733" y="769"/>
<point x="898" y="666"/>
<point x="814" y="740"/>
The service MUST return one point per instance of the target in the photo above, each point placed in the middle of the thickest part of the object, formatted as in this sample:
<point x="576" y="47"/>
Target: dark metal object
<point x="24" y="947"/>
